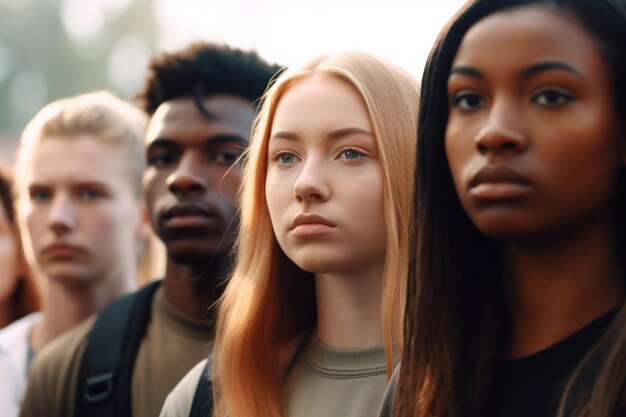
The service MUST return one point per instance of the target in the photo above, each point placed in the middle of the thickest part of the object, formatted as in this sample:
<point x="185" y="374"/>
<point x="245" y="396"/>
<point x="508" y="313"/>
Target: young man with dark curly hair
<point x="202" y="103"/>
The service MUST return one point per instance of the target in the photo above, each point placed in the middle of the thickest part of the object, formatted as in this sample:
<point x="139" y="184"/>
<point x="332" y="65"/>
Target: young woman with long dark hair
<point x="516" y="290"/>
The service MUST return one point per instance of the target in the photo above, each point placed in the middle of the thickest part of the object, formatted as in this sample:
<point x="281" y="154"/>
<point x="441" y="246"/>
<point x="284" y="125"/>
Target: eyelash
<point x="277" y="155"/>
<point x="462" y="95"/>
<point x="563" y="97"/>
<point x="359" y="151"/>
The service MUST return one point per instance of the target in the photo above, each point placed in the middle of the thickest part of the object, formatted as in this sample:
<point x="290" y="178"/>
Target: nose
<point x="503" y="133"/>
<point x="186" y="179"/>
<point x="62" y="214"/>
<point x="311" y="184"/>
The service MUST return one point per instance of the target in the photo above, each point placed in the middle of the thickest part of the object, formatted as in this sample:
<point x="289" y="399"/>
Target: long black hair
<point x="456" y="320"/>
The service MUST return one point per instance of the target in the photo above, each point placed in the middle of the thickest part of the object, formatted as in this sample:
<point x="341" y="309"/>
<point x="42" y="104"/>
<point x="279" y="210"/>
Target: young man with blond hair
<point x="79" y="210"/>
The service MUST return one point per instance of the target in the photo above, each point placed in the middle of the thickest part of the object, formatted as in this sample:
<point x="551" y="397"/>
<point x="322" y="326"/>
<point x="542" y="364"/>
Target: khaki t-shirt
<point x="330" y="382"/>
<point x="323" y="382"/>
<point x="173" y="344"/>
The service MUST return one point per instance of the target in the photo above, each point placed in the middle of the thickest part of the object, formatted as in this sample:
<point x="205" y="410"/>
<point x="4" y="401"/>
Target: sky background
<point x="292" y="31"/>
<point x="51" y="49"/>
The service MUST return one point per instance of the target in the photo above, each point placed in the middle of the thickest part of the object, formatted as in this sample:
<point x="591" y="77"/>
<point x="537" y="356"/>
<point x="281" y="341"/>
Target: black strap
<point x="106" y="368"/>
<point x="202" y="405"/>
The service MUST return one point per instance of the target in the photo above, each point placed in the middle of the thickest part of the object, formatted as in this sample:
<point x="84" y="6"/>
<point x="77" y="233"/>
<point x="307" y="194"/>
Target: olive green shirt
<point x="173" y="344"/>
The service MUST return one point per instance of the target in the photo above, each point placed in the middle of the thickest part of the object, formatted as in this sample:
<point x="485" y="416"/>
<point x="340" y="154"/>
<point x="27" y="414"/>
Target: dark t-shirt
<point x="533" y="386"/>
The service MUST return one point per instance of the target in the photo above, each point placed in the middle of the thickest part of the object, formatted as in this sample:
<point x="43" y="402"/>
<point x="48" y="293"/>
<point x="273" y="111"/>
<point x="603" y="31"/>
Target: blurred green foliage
<point x="34" y="40"/>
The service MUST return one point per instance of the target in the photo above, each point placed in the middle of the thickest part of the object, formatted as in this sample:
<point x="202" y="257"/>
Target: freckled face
<point x="324" y="185"/>
<point x="533" y="139"/>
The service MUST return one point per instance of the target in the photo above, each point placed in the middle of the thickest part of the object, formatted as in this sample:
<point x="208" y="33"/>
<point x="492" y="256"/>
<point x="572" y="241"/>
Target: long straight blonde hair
<point x="269" y="300"/>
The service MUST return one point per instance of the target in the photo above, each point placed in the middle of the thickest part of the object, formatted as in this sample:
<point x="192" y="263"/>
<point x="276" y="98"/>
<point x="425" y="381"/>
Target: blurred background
<point x="50" y="49"/>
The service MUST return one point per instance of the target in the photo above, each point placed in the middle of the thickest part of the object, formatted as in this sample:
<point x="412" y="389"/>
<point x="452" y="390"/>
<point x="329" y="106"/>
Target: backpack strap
<point x="107" y="365"/>
<point x="202" y="405"/>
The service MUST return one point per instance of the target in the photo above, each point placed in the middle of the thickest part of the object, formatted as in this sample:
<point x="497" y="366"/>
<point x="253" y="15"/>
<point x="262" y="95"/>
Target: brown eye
<point x="468" y="100"/>
<point x="552" y="97"/>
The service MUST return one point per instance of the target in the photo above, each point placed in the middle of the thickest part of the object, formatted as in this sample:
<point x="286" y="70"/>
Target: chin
<point x="196" y="257"/>
<point x="70" y="278"/>
<point x="320" y="266"/>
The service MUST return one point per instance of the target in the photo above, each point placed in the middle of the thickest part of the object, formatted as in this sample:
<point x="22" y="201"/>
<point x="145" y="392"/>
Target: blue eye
<point x="285" y="158"/>
<point x="90" y="194"/>
<point x="468" y="100"/>
<point x="350" y="154"/>
<point x="40" y="195"/>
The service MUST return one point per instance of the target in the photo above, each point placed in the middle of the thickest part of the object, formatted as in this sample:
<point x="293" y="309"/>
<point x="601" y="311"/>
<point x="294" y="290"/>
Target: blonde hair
<point x="269" y="301"/>
<point x="99" y="114"/>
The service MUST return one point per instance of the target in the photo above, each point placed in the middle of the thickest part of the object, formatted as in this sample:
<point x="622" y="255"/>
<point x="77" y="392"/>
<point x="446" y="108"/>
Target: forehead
<point x="321" y="102"/>
<point x="180" y="120"/>
<point x="78" y="159"/>
<point x="528" y="33"/>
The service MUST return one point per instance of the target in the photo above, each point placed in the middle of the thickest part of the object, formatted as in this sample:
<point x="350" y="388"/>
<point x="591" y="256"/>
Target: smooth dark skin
<point x="529" y="91"/>
<point x="191" y="184"/>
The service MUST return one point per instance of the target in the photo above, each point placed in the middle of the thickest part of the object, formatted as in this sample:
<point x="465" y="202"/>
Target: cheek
<point x="459" y="151"/>
<point x="583" y="165"/>
<point x="230" y="185"/>
<point x="153" y="182"/>
<point x="273" y="198"/>
<point x="365" y="203"/>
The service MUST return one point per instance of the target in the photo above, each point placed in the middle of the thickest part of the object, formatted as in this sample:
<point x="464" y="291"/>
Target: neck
<point x="349" y="314"/>
<point x="557" y="288"/>
<point x="193" y="289"/>
<point x="64" y="306"/>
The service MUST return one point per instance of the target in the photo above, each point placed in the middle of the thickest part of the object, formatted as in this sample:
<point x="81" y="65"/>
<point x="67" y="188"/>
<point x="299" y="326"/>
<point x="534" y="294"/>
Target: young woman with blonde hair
<point x="310" y="322"/>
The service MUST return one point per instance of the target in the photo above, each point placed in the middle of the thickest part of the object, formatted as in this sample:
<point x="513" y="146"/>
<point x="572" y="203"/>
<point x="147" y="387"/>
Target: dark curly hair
<point x="205" y="68"/>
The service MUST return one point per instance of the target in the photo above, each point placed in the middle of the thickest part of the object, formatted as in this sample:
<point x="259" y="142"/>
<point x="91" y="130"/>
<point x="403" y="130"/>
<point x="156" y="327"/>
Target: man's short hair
<point x="100" y="115"/>
<point x="202" y="69"/>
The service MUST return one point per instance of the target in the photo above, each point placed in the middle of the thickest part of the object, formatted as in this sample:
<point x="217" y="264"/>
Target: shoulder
<point x="386" y="407"/>
<point x="178" y="402"/>
<point x="14" y="341"/>
<point x="64" y="346"/>
<point x="17" y="332"/>
<point x="54" y="372"/>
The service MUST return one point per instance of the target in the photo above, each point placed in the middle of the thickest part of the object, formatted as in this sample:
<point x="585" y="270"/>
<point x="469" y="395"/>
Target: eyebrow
<point x="211" y="140"/>
<point x="335" y="134"/>
<point x="472" y="72"/>
<point x="526" y="72"/>
<point x="550" y="65"/>
<point x="79" y="184"/>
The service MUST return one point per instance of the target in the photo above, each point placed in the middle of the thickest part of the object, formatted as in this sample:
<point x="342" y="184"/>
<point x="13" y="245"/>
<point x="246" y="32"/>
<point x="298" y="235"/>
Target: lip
<point x="189" y="215"/>
<point x="498" y="183"/>
<point x="310" y="224"/>
<point x="62" y="251"/>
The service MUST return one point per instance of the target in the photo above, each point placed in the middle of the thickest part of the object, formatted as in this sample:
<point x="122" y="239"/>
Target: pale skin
<point x="323" y="161"/>
<point x="348" y="309"/>
<point x="546" y="112"/>
<point x="81" y="222"/>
